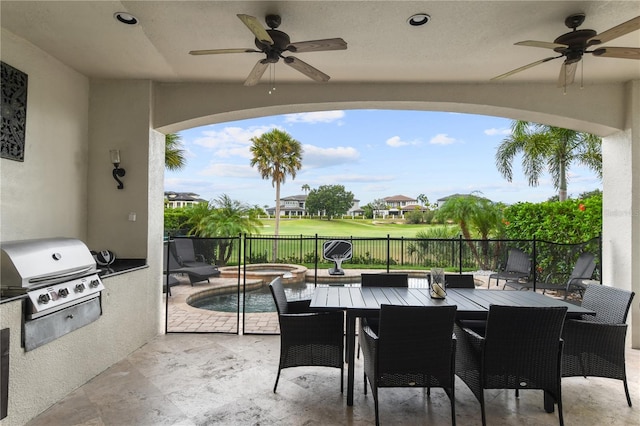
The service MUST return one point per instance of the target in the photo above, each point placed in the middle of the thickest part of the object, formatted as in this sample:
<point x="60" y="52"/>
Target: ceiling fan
<point x="574" y="44"/>
<point x="274" y="43"/>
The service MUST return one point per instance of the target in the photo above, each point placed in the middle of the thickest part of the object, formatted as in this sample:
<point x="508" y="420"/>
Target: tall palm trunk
<point x="277" y="228"/>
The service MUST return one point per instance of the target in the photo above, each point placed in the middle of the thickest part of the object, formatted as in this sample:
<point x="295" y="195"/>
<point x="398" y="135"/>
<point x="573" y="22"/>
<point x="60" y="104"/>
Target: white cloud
<point x="230" y="137"/>
<point x="230" y="171"/>
<point x="396" y="142"/>
<point x="314" y="117"/>
<point x="315" y="157"/>
<point x="442" y="139"/>
<point x="494" y="131"/>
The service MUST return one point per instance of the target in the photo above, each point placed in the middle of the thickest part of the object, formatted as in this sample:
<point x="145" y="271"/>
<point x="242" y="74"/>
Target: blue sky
<point x="373" y="153"/>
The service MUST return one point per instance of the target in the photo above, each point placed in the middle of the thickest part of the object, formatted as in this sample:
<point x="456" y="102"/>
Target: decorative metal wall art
<point x="14" y="113"/>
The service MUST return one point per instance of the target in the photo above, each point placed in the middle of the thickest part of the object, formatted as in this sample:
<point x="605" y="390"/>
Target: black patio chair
<point x="307" y="338"/>
<point x="419" y="355"/>
<point x="518" y="267"/>
<point x="195" y="273"/>
<point x="459" y="281"/>
<point x="186" y="253"/>
<point x="511" y="356"/>
<point x="582" y="270"/>
<point x="595" y="345"/>
<point x="382" y="279"/>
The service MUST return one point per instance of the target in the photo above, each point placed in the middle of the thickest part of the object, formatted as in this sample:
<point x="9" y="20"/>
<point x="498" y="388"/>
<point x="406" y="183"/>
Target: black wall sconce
<point x="117" y="171"/>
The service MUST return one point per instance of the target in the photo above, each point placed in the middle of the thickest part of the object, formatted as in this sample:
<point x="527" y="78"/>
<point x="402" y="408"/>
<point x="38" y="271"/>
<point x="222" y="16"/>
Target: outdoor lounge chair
<point x="186" y="254"/>
<point x="419" y="355"/>
<point x="511" y="356"/>
<point x="582" y="270"/>
<point x="518" y="267"/>
<point x="195" y="273"/>
<point x="595" y="345"/>
<point x="307" y="338"/>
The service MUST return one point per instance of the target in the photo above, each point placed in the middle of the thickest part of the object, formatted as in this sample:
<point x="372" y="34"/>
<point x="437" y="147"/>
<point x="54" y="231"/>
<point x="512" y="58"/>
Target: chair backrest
<point x="459" y="281"/>
<point x="406" y="344"/>
<point x="523" y="341"/>
<point x="173" y="262"/>
<point x="279" y="296"/>
<point x="584" y="267"/>
<point x="518" y="261"/>
<point x="384" y="280"/>
<point x="184" y="249"/>
<point x="611" y="304"/>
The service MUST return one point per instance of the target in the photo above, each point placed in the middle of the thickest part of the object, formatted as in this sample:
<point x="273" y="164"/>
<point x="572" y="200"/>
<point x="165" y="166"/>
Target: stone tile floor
<point x="222" y="379"/>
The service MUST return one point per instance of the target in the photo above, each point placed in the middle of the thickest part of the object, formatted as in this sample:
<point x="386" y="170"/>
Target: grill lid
<point x="35" y="263"/>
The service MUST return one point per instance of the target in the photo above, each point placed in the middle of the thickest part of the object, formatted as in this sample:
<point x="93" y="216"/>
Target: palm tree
<point x="306" y="188"/>
<point x="473" y="212"/>
<point x="173" y="153"/>
<point x="549" y="148"/>
<point x="223" y="219"/>
<point x="276" y="154"/>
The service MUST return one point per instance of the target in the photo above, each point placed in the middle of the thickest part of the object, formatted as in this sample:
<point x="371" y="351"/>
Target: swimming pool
<point x="256" y="300"/>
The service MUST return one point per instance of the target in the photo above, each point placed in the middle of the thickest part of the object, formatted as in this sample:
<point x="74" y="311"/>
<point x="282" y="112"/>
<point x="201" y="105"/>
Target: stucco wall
<point x="65" y="188"/>
<point x="46" y="195"/>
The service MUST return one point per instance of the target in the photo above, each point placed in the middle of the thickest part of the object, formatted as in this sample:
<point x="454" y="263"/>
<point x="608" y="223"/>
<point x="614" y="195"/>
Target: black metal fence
<point x="386" y="254"/>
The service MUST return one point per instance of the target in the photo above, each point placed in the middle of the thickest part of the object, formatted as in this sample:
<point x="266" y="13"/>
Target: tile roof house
<point x="173" y="200"/>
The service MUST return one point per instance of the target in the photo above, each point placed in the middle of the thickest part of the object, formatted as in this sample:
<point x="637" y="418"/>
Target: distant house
<point x="400" y="204"/>
<point x="296" y="206"/>
<point x="173" y="200"/>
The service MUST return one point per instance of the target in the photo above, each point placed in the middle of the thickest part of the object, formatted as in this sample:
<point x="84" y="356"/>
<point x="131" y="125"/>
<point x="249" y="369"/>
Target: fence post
<point x="388" y="250"/>
<point x="460" y="254"/>
<point x="535" y="263"/>
<point x="315" y="276"/>
<point x="242" y="260"/>
<point x="300" y="249"/>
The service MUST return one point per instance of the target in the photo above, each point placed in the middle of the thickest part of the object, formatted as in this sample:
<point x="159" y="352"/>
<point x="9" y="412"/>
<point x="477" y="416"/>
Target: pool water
<point x="256" y="300"/>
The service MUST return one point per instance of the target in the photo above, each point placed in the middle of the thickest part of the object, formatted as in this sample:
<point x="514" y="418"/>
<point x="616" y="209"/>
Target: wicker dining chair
<point x="382" y="279"/>
<point x="419" y="355"/>
<point x="307" y="338"/>
<point x="511" y="356"/>
<point x="459" y="281"/>
<point x="595" y="345"/>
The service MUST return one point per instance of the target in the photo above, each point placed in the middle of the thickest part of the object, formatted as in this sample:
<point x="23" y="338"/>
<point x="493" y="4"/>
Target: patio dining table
<point x="471" y="304"/>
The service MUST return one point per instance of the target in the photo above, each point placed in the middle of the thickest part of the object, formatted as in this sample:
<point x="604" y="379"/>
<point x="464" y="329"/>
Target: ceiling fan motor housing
<point x="273" y="51"/>
<point x="576" y="44"/>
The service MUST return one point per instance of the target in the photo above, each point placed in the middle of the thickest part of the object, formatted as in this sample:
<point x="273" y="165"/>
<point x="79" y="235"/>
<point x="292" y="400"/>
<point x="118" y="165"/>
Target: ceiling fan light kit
<point x="573" y="45"/>
<point x="274" y="44"/>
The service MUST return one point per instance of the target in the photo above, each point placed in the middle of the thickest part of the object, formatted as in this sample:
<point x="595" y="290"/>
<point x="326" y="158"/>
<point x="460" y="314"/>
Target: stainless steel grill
<point x="60" y="279"/>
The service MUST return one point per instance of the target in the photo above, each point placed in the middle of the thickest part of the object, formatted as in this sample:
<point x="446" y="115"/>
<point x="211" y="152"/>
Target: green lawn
<point x="342" y="228"/>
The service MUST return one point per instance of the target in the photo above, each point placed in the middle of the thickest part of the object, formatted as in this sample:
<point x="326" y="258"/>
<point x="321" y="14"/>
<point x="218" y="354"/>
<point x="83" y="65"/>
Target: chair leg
<point x="277" y="378"/>
<point x="484" y="417"/>
<point x="559" y="403"/>
<point x="342" y="378"/>
<point x="365" y="383"/>
<point x="626" y="390"/>
<point x="375" y="405"/>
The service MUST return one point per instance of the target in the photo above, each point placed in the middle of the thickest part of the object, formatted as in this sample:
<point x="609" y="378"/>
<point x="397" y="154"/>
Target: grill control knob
<point x="63" y="292"/>
<point x="43" y="299"/>
<point x="94" y="283"/>
<point x="80" y="288"/>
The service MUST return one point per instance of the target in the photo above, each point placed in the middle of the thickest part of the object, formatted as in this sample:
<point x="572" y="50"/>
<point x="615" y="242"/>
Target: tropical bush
<point x="568" y="222"/>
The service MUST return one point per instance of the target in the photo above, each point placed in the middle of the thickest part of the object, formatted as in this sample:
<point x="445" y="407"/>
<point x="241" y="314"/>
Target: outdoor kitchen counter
<point x="122" y="266"/>
<point x="119" y="267"/>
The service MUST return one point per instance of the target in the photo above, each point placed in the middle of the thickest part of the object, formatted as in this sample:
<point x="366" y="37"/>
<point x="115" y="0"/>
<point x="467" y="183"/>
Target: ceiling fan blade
<point x="256" y="73"/>
<point x="317" y="45"/>
<point x="217" y="51"/>
<point x="306" y="69"/>
<point x="615" y="32"/>
<point x="567" y="74"/>
<point x="618" y="52"/>
<point x="256" y="28"/>
<point x="531" y="65"/>
<point x="543" y="44"/>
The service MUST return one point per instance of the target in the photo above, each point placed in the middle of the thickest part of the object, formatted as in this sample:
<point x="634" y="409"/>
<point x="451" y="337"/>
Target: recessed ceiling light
<point x="125" y="18"/>
<point x="418" y="19"/>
